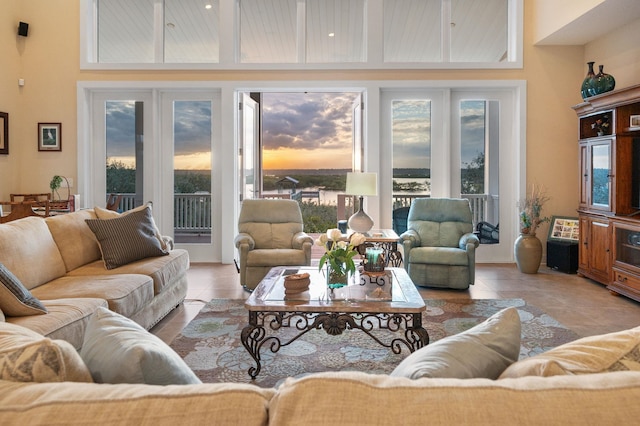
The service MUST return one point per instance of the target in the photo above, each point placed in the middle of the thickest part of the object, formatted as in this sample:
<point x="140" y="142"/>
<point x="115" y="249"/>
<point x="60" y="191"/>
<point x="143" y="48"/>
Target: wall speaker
<point x="23" y="29"/>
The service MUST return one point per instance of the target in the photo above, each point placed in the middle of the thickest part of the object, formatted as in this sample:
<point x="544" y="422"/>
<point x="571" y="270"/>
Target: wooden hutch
<point x="609" y="209"/>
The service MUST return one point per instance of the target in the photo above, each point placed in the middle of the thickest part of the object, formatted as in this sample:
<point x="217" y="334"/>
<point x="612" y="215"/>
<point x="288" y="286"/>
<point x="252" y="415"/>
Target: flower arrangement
<point x="531" y="210"/>
<point x="338" y="254"/>
<point x="601" y="125"/>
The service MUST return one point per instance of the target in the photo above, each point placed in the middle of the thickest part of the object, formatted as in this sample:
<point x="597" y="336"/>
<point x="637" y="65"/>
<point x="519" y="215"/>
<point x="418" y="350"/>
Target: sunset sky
<point x="300" y="131"/>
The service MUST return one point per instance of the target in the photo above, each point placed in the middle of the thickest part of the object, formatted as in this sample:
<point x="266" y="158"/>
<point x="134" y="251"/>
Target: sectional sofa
<point x="120" y="262"/>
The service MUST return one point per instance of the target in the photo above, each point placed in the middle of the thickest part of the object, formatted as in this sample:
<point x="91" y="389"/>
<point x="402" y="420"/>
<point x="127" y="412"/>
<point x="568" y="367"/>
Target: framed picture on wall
<point x="4" y="133"/>
<point x="49" y="137"/>
<point x="564" y="229"/>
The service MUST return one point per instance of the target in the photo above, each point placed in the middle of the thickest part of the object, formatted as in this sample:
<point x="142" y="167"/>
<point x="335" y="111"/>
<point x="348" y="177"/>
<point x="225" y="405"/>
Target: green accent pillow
<point x="127" y="238"/>
<point x="15" y="299"/>
<point x="118" y="350"/>
<point x="483" y="351"/>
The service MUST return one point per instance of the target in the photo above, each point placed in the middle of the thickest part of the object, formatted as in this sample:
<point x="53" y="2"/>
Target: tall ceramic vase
<point x="587" y="84"/>
<point x="528" y="253"/>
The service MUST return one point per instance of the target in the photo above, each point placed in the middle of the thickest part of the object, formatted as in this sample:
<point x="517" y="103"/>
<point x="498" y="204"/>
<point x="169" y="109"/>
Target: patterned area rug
<point x="211" y="344"/>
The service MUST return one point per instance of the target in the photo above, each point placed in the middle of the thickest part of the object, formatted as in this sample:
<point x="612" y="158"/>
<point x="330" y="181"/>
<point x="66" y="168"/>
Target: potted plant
<point x="527" y="247"/>
<point x="56" y="202"/>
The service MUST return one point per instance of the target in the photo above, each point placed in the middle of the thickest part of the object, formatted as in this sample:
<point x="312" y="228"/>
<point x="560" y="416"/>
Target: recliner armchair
<point x="270" y="234"/>
<point x="439" y="244"/>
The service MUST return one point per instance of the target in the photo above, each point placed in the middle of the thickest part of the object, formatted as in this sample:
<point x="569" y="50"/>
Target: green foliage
<point x="55" y="183"/>
<point x="473" y="176"/>
<point x="121" y="179"/>
<point x="318" y="218"/>
<point x="189" y="182"/>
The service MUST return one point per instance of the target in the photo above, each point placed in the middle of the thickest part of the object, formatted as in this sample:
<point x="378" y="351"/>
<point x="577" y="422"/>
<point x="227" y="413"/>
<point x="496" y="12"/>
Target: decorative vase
<point x="528" y="253"/>
<point x="603" y="82"/>
<point x="587" y="83"/>
<point x="337" y="278"/>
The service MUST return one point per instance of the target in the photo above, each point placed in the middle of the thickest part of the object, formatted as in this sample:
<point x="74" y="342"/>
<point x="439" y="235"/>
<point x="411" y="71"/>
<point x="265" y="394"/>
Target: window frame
<point x="229" y="45"/>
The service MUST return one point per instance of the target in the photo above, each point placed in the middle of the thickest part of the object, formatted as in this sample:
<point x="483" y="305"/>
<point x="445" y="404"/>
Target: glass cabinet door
<point x="601" y="175"/>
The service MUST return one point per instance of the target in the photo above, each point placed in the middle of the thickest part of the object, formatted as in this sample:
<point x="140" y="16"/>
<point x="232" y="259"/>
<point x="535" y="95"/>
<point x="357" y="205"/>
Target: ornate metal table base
<point x="254" y="336"/>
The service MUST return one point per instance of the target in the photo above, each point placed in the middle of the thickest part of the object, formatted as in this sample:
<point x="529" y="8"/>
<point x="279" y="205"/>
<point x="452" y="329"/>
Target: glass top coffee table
<point x="354" y="307"/>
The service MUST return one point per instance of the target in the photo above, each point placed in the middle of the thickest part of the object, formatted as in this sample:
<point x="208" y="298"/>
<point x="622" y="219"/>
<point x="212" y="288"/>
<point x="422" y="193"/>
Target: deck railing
<point x="192" y="212"/>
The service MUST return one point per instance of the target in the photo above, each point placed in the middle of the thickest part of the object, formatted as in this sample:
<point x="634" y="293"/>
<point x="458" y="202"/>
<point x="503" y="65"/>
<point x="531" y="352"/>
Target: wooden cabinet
<point x="609" y="202"/>
<point x="594" y="258"/>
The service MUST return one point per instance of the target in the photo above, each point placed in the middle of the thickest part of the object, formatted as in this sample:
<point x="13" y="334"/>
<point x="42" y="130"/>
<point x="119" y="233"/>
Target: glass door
<point x="186" y="171"/>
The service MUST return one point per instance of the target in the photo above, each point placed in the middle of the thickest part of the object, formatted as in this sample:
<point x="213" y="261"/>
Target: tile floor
<point x="586" y="307"/>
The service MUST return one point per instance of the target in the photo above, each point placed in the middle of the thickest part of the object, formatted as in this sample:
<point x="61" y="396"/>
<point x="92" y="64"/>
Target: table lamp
<point x="361" y="184"/>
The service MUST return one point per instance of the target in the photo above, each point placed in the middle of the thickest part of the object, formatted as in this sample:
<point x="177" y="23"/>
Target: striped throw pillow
<point x="15" y="299"/>
<point x="126" y="238"/>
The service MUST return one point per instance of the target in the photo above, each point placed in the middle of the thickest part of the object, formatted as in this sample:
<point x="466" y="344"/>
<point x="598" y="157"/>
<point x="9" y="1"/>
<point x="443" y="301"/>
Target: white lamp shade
<point x="362" y="184"/>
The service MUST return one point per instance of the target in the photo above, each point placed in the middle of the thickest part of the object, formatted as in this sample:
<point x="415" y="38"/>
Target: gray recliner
<point x="270" y="233"/>
<point x="439" y="244"/>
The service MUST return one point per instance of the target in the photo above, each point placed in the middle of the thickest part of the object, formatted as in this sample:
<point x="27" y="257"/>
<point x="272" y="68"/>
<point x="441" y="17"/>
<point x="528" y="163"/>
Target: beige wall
<point x="619" y="52"/>
<point x="49" y="62"/>
<point x="10" y="68"/>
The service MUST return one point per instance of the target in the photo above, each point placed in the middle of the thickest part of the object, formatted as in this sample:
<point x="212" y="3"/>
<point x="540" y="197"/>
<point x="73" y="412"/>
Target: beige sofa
<point x="58" y="259"/>
<point x="346" y="398"/>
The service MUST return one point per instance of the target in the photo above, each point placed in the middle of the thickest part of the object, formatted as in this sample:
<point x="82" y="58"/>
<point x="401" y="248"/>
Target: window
<point x="301" y="34"/>
<point x="155" y="31"/>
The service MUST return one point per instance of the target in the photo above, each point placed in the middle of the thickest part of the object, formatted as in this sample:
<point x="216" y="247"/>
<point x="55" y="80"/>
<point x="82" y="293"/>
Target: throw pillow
<point x="594" y="354"/>
<point x="483" y="351"/>
<point x="15" y="299"/>
<point x="26" y="356"/>
<point x="118" y="350"/>
<point x="126" y="238"/>
<point x="105" y="214"/>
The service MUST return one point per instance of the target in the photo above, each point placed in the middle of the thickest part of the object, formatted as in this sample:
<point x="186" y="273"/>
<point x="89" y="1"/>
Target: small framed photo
<point x="49" y="137"/>
<point x="564" y="229"/>
<point x="635" y="121"/>
<point x="4" y="133"/>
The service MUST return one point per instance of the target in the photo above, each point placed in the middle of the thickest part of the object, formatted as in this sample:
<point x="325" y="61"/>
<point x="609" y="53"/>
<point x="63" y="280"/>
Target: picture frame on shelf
<point x="49" y="137"/>
<point x="4" y="133"/>
<point x="564" y="228"/>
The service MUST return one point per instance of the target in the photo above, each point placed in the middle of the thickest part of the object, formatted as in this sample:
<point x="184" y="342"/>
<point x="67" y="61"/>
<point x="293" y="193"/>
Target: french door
<point x="157" y="146"/>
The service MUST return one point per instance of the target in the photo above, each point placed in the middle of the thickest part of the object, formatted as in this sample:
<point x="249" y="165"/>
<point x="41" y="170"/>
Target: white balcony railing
<point x="192" y="212"/>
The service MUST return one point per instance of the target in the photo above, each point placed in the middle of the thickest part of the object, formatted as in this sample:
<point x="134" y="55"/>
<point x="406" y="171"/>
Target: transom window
<point x="301" y="34"/>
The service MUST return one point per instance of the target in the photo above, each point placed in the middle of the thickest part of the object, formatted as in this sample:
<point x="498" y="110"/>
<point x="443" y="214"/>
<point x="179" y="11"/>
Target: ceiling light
<point x="332" y="34"/>
<point x="208" y="6"/>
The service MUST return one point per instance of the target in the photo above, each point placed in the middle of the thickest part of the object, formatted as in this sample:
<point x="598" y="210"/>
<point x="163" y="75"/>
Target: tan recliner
<point x="270" y="233"/>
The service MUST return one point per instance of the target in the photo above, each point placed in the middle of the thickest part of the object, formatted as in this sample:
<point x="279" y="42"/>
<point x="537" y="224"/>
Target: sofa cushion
<point x="126" y="294"/>
<point x="82" y="404"/>
<point x="484" y="350"/>
<point x="594" y="354"/>
<point x="164" y="270"/>
<point x="126" y="238"/>
<point x="352" y="398"/>
<point x="66" y="320"/>
<point x="76" y="242"/>
<point x="15" y="299"/>
<point x="117" y="350"/>
<point x="29" y="251"/>
<point x="26" y="356"/>
<point x="105" y="214"/>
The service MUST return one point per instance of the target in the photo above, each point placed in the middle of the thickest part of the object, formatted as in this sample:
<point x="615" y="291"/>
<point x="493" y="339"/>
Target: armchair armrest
<point x="469" y="242"/>
<point x="410" y="237"/>
<point x="299" y="239"/>
<point x="243" y="239"/>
